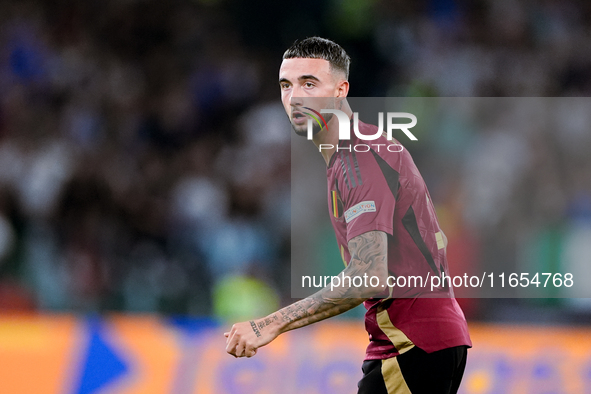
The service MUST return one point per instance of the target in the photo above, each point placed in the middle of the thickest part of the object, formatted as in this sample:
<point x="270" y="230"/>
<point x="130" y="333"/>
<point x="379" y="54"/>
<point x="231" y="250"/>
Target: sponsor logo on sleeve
<point x="359" y="209"/>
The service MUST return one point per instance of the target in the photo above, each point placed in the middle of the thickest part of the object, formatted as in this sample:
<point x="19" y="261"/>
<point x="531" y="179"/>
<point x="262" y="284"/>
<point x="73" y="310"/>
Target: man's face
<point x="307" y="83"/>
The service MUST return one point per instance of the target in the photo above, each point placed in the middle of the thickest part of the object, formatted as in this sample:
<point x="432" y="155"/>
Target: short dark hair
<point x="320" y="48"/>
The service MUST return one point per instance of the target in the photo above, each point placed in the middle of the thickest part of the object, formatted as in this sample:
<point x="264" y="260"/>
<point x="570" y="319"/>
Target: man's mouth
<point x="298" y="117"/>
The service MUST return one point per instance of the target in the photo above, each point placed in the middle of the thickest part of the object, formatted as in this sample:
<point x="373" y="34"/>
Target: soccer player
<point x="385" y="225"/>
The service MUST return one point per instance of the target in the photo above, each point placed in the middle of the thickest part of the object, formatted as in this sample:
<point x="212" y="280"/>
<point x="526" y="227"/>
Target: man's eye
<point x="284" y="85"/>
<point x="309" y="85"/>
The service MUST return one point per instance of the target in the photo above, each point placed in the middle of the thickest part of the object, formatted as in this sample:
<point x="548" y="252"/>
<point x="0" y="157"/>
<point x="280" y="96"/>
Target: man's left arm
<point x="369" y="253"/>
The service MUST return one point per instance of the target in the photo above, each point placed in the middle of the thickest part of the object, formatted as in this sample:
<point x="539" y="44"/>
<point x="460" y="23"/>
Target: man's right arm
<point x="368" y="257"/>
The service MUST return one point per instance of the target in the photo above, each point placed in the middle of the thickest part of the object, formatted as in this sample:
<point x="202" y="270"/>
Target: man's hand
<point x="245" y="338"/>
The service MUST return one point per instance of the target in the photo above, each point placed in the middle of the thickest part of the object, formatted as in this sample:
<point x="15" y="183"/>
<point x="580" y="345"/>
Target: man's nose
<point x="297" y="101"/>
<point x="297" y="95"/>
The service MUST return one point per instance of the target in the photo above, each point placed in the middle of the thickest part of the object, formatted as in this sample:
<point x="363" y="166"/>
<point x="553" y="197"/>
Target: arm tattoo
<point x="368" y="256"/>
<point x="254" y="328"/>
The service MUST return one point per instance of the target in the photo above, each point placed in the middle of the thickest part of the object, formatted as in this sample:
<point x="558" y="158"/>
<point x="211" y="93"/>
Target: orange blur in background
<point x="63" y="354"/>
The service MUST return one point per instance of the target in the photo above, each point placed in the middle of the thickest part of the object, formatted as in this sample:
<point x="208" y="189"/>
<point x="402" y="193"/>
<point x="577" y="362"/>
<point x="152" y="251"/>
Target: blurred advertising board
<point x="63" y="354"/>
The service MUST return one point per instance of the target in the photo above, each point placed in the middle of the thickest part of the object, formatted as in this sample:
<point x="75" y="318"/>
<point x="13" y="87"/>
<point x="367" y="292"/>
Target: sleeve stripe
<point x="350" y="172"/>
<point x="356" y="165"/>
<point x="344" y="171"/>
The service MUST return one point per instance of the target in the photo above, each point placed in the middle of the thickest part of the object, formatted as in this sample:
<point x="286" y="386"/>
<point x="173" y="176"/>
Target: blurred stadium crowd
<point x="145" y="157"/>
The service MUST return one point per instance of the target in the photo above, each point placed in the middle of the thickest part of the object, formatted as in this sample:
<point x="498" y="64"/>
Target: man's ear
<point x="342" y="88"/>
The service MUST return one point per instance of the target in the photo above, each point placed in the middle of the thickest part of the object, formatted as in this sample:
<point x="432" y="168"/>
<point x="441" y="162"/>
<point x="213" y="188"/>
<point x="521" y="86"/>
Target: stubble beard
<point x="302" y="129"/>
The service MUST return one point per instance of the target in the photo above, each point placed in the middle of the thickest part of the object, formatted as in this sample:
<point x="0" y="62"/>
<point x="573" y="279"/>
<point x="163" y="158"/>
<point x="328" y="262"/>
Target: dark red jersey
<point x="375" y="185"/>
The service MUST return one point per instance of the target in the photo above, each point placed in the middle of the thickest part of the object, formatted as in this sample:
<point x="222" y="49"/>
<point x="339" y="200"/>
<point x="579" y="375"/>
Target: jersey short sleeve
<point x="370" y="205"/>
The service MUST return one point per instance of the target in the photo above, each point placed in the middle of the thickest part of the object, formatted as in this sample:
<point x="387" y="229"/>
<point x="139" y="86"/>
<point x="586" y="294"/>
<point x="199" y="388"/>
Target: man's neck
<point x="330" y="137"/>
